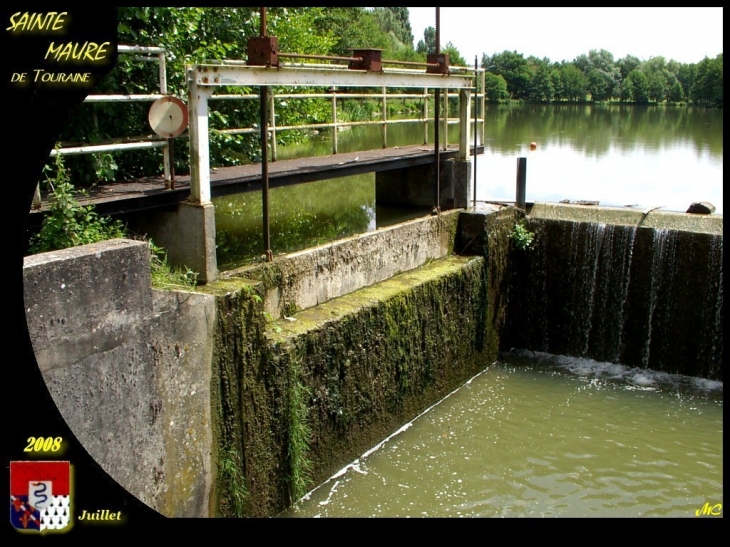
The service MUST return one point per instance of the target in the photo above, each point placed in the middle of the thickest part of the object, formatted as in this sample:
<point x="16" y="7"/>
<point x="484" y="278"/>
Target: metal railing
<point x="157" y="54"/>
<point x="145" y="54"/>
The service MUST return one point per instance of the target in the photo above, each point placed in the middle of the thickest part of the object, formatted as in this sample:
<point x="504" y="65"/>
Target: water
<point x="664" y="157"/>
<point x="537" y="435"/>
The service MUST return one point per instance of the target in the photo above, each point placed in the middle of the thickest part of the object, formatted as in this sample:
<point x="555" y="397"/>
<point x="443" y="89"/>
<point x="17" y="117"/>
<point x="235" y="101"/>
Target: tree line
<point x="597" y="77"/>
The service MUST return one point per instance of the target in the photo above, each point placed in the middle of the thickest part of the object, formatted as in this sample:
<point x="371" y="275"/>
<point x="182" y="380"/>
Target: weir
<point x="236" y="398"/>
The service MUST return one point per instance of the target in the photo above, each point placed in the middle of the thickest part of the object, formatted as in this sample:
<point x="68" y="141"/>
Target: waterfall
<point x="663" y="269"/>
<point x="637" y="296"/>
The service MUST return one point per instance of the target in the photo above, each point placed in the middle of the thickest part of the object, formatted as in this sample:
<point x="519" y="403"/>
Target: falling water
<point x="662" y="269"/>
<point x="637" y="296"/>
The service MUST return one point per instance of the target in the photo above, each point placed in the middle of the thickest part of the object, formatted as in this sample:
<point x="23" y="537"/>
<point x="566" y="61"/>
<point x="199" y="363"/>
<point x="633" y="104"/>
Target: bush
<point x="67" y="223"/>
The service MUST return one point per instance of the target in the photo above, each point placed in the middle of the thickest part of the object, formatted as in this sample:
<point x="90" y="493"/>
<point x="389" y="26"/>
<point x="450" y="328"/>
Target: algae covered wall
<point x="642" y="296"/>
<point x="300" y="399"/>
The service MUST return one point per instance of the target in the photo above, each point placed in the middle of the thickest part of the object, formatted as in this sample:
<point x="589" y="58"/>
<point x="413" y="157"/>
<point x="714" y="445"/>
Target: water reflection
<point x="537" y="435"/>
<point x="666" y="157"/>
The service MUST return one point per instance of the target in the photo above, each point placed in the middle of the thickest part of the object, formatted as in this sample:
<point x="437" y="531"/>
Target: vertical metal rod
<point x="437" y="100"/>
<point x="476" y="95"/>
<point x="265" y="170"/>
<point x="171" y="158"/>
<point x="425" y="115"/>
<point x="334" y="121"/>
<point x="484" y="106"/>
<point x="264" y="100"/>
<point x="437" y="106"/>
<point x="166" y="151"/>
<point x="272" y="124"/>
<point x="520" y="202"/>
<point x="385" y="120"/>
<point x="446" y="119"/>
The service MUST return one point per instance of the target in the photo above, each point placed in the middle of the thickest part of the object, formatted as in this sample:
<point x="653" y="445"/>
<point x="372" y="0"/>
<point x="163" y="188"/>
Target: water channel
<point x="666" y="157"/>
<point x="537" y="435"/>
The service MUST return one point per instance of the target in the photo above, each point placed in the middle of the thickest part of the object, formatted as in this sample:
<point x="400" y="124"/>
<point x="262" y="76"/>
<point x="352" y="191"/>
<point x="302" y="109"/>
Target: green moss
<point x="299" y="431"/>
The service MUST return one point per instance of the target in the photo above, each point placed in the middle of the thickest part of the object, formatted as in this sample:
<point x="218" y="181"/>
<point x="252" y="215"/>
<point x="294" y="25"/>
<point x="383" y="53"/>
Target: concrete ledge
<point x="307" y="278"/>
<point x="710" y="224"/>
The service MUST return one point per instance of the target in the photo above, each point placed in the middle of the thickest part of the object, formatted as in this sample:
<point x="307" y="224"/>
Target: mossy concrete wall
<point x="607" y="286"/>
<point x="343" y="375"/>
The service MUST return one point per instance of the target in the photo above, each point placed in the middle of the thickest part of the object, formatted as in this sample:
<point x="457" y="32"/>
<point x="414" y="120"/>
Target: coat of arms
<point x="40" y="495"/>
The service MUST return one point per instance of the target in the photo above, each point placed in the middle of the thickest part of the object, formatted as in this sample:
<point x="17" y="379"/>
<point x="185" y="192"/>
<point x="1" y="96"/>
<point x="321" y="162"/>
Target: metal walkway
<point x="149" y="193"/>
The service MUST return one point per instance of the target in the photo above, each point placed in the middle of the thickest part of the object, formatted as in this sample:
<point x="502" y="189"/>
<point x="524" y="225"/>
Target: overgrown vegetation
<point x="521" y="236"/>
<point x="299" y="430"/>
<point x="67" y="223"/>
<point x="231" y="478"/>
<point x="165" y="276"/>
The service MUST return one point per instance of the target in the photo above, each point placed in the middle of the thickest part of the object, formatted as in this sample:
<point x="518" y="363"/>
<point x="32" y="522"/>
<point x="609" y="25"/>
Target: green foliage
<point x="707" y="88"/>
<point x="521" y="236"/>
<point x="232" y="480"/>
<point x="300" y="432"/>
<point x="67" y="223"/>
<point x="165" y="276"/>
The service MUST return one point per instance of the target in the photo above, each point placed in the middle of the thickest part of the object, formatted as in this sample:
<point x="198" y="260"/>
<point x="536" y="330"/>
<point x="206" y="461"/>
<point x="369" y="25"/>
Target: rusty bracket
<point x="440" y="59"/>
<point x="369" y="59"/>
<point x="263" y="51"/>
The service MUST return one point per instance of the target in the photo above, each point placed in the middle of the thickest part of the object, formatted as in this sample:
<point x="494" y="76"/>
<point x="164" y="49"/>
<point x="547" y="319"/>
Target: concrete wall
<point x="304" y="279"/>
<point x="128" y="367"/>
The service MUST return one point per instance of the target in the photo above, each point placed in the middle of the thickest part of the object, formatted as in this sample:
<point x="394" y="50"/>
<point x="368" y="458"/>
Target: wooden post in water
<point x="521" y="183"/>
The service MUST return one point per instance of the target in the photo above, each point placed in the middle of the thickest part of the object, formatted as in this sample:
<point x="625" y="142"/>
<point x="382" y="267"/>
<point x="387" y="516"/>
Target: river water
<point x="537" y="435"/>
<point x="665" y="157"/>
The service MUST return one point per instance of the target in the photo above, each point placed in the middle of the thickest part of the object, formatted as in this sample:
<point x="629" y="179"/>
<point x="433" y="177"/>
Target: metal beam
<point x="219" y="75"/>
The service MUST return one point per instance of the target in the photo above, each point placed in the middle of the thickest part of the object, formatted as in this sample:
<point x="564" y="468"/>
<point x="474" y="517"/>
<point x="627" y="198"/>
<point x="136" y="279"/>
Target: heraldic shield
<point x="40" y="495"/>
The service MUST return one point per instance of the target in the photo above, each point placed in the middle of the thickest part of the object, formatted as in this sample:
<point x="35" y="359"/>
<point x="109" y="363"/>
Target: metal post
<point x="385" y="120"/>
<point x="334" y="122"/>
<point x="272" y="121"/>
<point x="437" y="101"/>
<point x="484" y="105"/>
<point x="199" y="146"/>
<point x="437" y="105"/>
<point x="521" y="183"/>
<point x="167" y="150"/>
<point x="446" y="119"/>
<point x="425" y="115"/>
<point x="265" y="170"/>
<point x="476" y="95"/>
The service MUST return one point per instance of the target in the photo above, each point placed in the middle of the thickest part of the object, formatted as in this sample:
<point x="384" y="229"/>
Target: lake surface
<point x="537" y="435"/>
<point x="648" y="157"/>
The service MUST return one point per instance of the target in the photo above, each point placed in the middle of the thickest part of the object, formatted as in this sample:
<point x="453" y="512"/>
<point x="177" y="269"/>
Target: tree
<point x="707" y="87"/>
<point x="495" y="87"/>
<point x="515" y="70"/>
<point x="639" y="86"/>
<point x="676" y="93"/>
<point x="574" y="83"/>
<point x="455" y="57"/>
<point x="627" y="64"/>
<point x="428" y="44"/>
<point x="396" y="21"/>
<point x="541" y="85"/>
